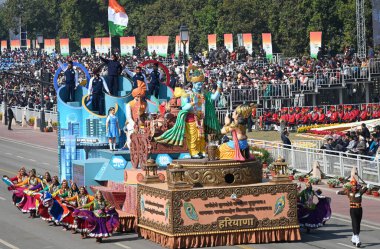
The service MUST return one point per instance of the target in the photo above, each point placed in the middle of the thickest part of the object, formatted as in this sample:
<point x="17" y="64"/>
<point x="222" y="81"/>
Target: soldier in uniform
<point x="71" y="81"/>
<point x="114" y="70"/>
<point x="95" y="89"/>
<point x="356" y="212"/>
<point x="136" y="76"/>
<point x="155" y="80"/>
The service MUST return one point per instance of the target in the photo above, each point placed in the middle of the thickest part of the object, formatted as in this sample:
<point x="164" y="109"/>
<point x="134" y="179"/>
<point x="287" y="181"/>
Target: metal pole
<point x="184" y="63"/>
<point x="42" y="113"/>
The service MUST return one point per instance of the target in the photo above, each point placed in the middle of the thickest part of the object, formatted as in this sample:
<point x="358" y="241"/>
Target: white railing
<point x="30" y="113"/>
<point x="248" y="94"/>
<point x="274" y="91"/>
<point x="374" y="66"/>
<point x="332" y="163"/>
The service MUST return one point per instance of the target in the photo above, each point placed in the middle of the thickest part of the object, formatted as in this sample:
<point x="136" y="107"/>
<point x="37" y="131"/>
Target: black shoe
<point x="10" y="129"/>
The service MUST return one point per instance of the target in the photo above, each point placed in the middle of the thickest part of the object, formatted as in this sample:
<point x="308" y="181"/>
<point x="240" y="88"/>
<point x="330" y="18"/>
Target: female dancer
<point x="310" y="215"/>
<point x="63" y="189"/>
<point x="28" y="202"/>
<point x="20" y="177"/>
<point x="112" y="128"/>
<point x="72" y="192"/>
<point x="103" y="220"/>
<point x="82" y="199"/>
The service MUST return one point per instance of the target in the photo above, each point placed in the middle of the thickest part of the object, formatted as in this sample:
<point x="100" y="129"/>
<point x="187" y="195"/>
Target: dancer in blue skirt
<point x="112" y="128"/>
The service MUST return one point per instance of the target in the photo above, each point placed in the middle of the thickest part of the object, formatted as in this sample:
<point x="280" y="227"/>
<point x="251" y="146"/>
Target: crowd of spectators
<point x="237" y="69"/>
<point x="360" y="142"/>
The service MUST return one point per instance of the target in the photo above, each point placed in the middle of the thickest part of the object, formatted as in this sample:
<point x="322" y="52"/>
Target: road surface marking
<point x="45" y="163"/>
<point x="8" y="153"/>
<point x="20" y="157"/>
<point x="9" y="172"/>
<point x="347" y="245"/>
<point x="8" y="245"/>
<point x="32" y="160"/>
<point x="2" y="198"/>
<point x="29" y="144"/>
<point x="349" y="221"/>
<point x="123" y="246"/>
<point x="245" y="247"/>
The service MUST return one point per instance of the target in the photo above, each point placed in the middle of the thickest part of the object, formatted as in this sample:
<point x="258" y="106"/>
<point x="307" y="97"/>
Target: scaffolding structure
<point x="360" y="28"/>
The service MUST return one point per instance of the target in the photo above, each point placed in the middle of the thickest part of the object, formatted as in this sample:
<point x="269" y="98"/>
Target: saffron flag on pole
<point x="117" y="18"/>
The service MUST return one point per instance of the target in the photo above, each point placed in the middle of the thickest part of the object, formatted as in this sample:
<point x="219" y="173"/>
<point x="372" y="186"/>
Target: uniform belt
<point x="355" y="205"/>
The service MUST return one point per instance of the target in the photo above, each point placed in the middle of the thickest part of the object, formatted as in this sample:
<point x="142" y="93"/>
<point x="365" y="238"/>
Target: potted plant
<point x="300" y="177"/>
<point x="55" y="125"/>
<point x="263" y="155"/>
<point x="333" y="183"/>
<point x="314" y="180"/>
<point x="340" y="178"/>
<point x="347" y="186"/>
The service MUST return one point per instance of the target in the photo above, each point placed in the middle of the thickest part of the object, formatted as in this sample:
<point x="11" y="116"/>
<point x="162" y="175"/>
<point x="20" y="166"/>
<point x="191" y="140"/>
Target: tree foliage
<point x="289" y="21"/>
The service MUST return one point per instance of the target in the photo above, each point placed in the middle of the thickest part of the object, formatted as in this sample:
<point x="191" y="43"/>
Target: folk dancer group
<point x="63" y="203"/>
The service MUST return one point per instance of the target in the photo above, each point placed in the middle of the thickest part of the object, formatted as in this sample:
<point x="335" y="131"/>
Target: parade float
<point x="176" y="185"/>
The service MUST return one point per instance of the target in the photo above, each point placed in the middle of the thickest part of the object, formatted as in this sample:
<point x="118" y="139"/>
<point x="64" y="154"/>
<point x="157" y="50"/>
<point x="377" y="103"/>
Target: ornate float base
<point x="217" y="216"/>
<point x="222" y="239"/>
<point x="204" y="173"/>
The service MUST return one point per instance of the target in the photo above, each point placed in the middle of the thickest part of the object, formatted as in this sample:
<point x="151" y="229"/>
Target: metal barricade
<point x="374" y="66"/>
<point x="274" y="91"/>
<point x="249" y="95"/>
<point x="308" y="86"/>
<point x="333" y="163"/>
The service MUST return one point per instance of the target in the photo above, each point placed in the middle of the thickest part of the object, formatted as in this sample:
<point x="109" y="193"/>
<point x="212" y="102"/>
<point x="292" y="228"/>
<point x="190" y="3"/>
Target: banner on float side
<point x="49" y="46"/>
<point x="247" y="42"/>
<point x="4" y="45"/>
<point x="28" y="43"/>
<point x="228" y="42"/>
<point x="65" y="47"/>
<point x="158" y="44"/>
<point x="103" y="45"/>
<point x="267" y="45"/>
<point x="376" y="22"/>
<point x="315" y="43"/>
<point x="85" y="43"/>
<point x="179" y="46"/>
<point x="15" y="44"/>
<point x="127" y="44"/>
<point x="212" y="42"/>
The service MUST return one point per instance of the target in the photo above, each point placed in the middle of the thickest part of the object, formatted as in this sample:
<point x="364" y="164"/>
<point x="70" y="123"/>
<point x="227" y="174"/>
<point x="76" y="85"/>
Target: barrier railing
<point x="354" y="73"/>
<point x="332" y="163"/>
<point x="298" y="86"/>
<point x="30" y="113"/>
<point x="249" y="94"/>
<point x="274" y="90"/>
<point x="374" y="66"/>
<point x="328" y="78"/>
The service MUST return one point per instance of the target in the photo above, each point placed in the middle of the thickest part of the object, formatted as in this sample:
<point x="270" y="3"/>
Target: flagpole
<point x="109" y="33"/>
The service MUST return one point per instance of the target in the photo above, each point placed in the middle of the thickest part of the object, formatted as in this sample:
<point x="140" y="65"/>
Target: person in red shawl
<point x="363" y="114"/>
<point x="334" y="118"/>
<point x="291" y="118"/>
<point x="322" y="119"/>
<point x="298" y="116"/>
<point x="284" y="115"/>
<point x="347" y="115"/>
<point x="315" y="116"/>
<point x="305" y="117"/>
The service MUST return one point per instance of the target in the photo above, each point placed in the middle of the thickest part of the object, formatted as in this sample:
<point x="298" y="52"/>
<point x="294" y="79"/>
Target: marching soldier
<point x="356" y="212"/>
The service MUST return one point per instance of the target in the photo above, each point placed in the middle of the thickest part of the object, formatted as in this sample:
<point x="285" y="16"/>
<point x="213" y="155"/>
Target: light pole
<point x="45" y="77"/>
<point x="184" y="37"/>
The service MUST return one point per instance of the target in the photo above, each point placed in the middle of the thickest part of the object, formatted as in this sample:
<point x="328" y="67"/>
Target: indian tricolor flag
<point x="117" y="18"/>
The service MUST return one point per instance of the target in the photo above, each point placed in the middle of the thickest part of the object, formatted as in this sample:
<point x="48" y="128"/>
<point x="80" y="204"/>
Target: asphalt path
<point x="17" y="231"/>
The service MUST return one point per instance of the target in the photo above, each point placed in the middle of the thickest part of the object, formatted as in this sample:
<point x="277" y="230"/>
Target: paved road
<point x="17" y="231"/>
